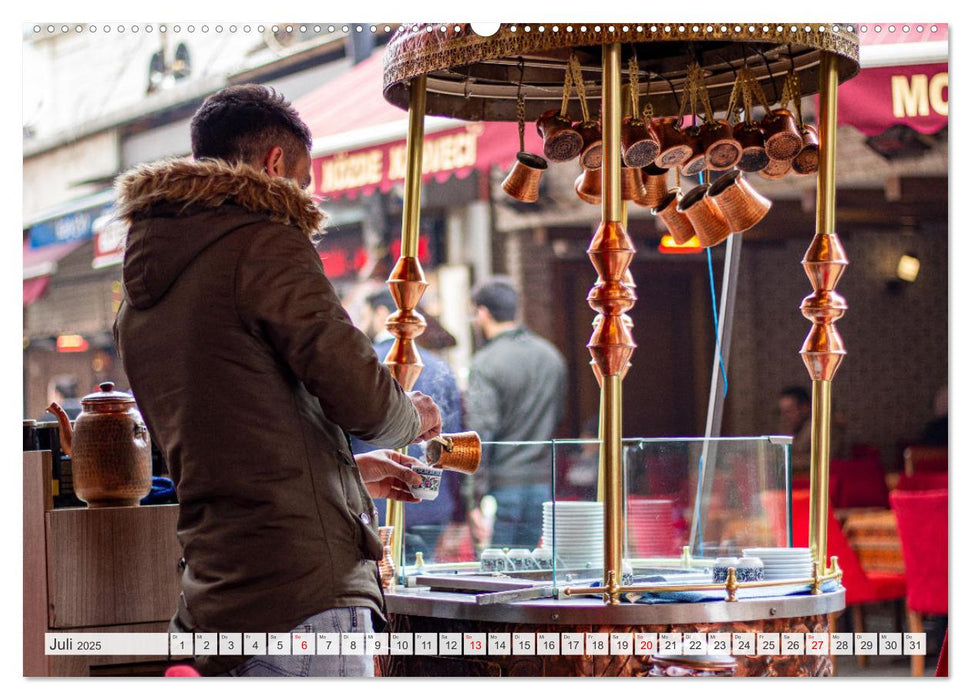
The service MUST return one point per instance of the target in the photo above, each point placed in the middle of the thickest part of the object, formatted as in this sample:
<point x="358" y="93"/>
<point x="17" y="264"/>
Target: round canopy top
<point x="478" y="78"/>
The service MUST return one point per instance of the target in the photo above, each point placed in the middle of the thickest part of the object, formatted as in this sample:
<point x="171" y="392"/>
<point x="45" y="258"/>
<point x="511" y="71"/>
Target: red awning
<point x="43" y="260"/>
<point x="34" y="289"/>
<point x="40" y="264"/>
<point x="359" y="138"/>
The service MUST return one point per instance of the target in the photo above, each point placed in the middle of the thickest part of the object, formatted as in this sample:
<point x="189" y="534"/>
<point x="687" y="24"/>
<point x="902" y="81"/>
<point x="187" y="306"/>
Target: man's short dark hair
<point x="499" y="296"/>
<point x="241" y="123"/>
<point x="381" y="297"/>
<point x="796" y="393"/>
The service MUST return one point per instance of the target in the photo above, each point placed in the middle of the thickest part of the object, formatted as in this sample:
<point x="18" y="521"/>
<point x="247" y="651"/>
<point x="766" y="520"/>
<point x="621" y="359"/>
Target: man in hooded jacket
<point x="251" y="376"/>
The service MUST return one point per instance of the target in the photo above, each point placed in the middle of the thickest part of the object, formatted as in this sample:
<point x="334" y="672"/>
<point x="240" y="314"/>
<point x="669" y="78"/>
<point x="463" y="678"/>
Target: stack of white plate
<point x="783" y="563"/>
<point x="576" y="534"/>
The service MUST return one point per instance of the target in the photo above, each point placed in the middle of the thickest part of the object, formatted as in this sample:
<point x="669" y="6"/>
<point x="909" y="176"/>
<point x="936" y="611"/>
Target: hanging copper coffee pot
<point x="738" y="201"/>
<point x="669" y="211"/>
<point x="111" y="452"/>
<point x="655" y="186"/>
<point x="522" y="182"/>
<point x="722" y="151"/>
<point x="806" y="161"/>
<point x="708" y="222"/>
<point x="750" y="137"/>
<point x="588" y="186"/>
<point x="561" y="142"/>
<point x="591" y="154"/>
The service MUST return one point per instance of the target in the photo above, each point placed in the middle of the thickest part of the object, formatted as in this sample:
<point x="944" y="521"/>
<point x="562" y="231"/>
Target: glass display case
<point x="688" y="501"/>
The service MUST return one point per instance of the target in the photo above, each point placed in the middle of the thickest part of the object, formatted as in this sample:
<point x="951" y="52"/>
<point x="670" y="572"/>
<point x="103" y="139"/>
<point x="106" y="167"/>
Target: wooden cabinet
<point x="92" y="570"/>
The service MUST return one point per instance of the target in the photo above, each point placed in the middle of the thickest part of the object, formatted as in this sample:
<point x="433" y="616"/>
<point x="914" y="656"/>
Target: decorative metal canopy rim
<point x="479" y="78"/>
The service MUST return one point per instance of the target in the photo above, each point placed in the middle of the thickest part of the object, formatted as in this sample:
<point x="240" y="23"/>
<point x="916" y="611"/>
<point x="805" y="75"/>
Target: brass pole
<point x="823" y="350"/>
<point x="611" y="345"/>
<point x="412" y="195"/>
<point x="407" y="284"/>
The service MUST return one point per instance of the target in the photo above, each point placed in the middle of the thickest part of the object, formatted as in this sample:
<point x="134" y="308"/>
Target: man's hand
<point x="388" y="474"/>
<point x="431" y="417"/>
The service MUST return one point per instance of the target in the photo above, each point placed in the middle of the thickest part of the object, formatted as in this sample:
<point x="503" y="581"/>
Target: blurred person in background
<point x="425" y="522"/>
<point x="517" y="390"/>
<point x="795" y="419"/>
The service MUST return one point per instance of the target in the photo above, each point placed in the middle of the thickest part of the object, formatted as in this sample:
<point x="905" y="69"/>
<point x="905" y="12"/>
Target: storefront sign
<point x="878" y="98"/>
<point x="77" y="226"/>
<point x="455" y="152"/>
<point x="110" y="235"/>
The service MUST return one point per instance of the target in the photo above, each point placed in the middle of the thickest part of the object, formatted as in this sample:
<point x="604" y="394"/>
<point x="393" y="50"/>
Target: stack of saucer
<point x="783" y="563"/>
<point x="650" y="526"/>
<point x="576" y="533"/>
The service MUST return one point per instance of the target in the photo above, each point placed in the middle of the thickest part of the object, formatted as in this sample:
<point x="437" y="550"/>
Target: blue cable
<point x="714" y="309"/>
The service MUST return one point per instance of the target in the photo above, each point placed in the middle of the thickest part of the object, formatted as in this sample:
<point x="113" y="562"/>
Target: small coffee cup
<point x="431" y="480"/>
<point x="494" y="561"/>
<point x="719" y="572"/>
<point x="519" y="559"/>
<point x="542" y="558"/>
<point x="749" y="569"/>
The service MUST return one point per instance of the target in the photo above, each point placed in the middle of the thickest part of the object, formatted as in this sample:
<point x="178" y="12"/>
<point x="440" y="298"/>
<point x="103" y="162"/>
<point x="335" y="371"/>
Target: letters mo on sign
<point x="386" y="164"/>
<point x="916" y="95"/>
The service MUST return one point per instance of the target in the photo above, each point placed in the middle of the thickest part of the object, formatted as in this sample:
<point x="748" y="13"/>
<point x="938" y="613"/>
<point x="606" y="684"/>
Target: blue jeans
<point x="519" y="515"/>
<point x="334" y="620"/>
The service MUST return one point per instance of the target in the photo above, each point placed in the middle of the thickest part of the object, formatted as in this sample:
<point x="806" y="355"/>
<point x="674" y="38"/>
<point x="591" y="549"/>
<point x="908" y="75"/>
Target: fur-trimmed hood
<point x="212" y="183"/>
<point x="175" y="209"/>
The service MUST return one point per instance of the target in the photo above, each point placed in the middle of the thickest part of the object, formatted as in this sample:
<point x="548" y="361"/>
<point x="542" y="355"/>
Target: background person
<point x="517" y="389"/>
<point x="426" y="521"/>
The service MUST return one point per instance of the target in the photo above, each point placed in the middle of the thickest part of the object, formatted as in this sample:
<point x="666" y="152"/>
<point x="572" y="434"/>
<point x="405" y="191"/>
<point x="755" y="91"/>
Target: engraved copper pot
<point x="738" y="201"/>
<point x="806" y="161"/>
<point x="457" y="452"/>
<point x="782" y="137"/>
<point x="561" y="142"/>
<point x="655" y="186"/>
<point x="722" y="151"/>
<point x="709" y="223"/>
<point x="639" y="142"/>
<point x="750" y="137"/>
<point x="674" y="149"/>
<point x="588" y="186"/>
<point x="677" y="223"/>
<point x="695" y="163"/>
<point x="631" y="184"/>
<point x="522" y="182"/>
<point x="776" y="169"/>
<point x="591" y="154"/>
<point x="110" y="449"/>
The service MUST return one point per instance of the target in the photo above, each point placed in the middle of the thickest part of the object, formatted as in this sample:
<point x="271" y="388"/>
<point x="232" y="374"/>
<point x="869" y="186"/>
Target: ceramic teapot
<point x="109" y="447"/>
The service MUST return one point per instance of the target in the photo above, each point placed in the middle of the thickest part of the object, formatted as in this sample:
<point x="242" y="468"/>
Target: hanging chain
<point x="578" y="83"/>
<point x="795" y="94"/>
<point x="567" y="87"/>
<point x="521" y="117"/>
<point x="521" y="107"/>
<point x="634" y="78"/>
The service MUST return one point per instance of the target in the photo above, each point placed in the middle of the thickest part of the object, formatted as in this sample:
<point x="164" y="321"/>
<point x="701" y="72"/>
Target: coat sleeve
<point x="283" y="295"/>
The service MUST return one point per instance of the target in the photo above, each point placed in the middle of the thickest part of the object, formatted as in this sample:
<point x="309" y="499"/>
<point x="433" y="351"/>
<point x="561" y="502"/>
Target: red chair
<point x="928" y="481"/>
<point x="862" y="586"/>
<point x="922" y="524"/>
<point x="925" y="458"/>
<point x="857" y="483"/>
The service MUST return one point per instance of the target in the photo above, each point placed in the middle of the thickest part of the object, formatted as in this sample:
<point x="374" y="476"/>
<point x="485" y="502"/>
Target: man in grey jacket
<point x="517" y="389"/>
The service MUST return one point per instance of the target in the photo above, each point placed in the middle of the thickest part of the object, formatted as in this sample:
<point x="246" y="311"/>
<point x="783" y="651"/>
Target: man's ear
<point x="273" y="162"/>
